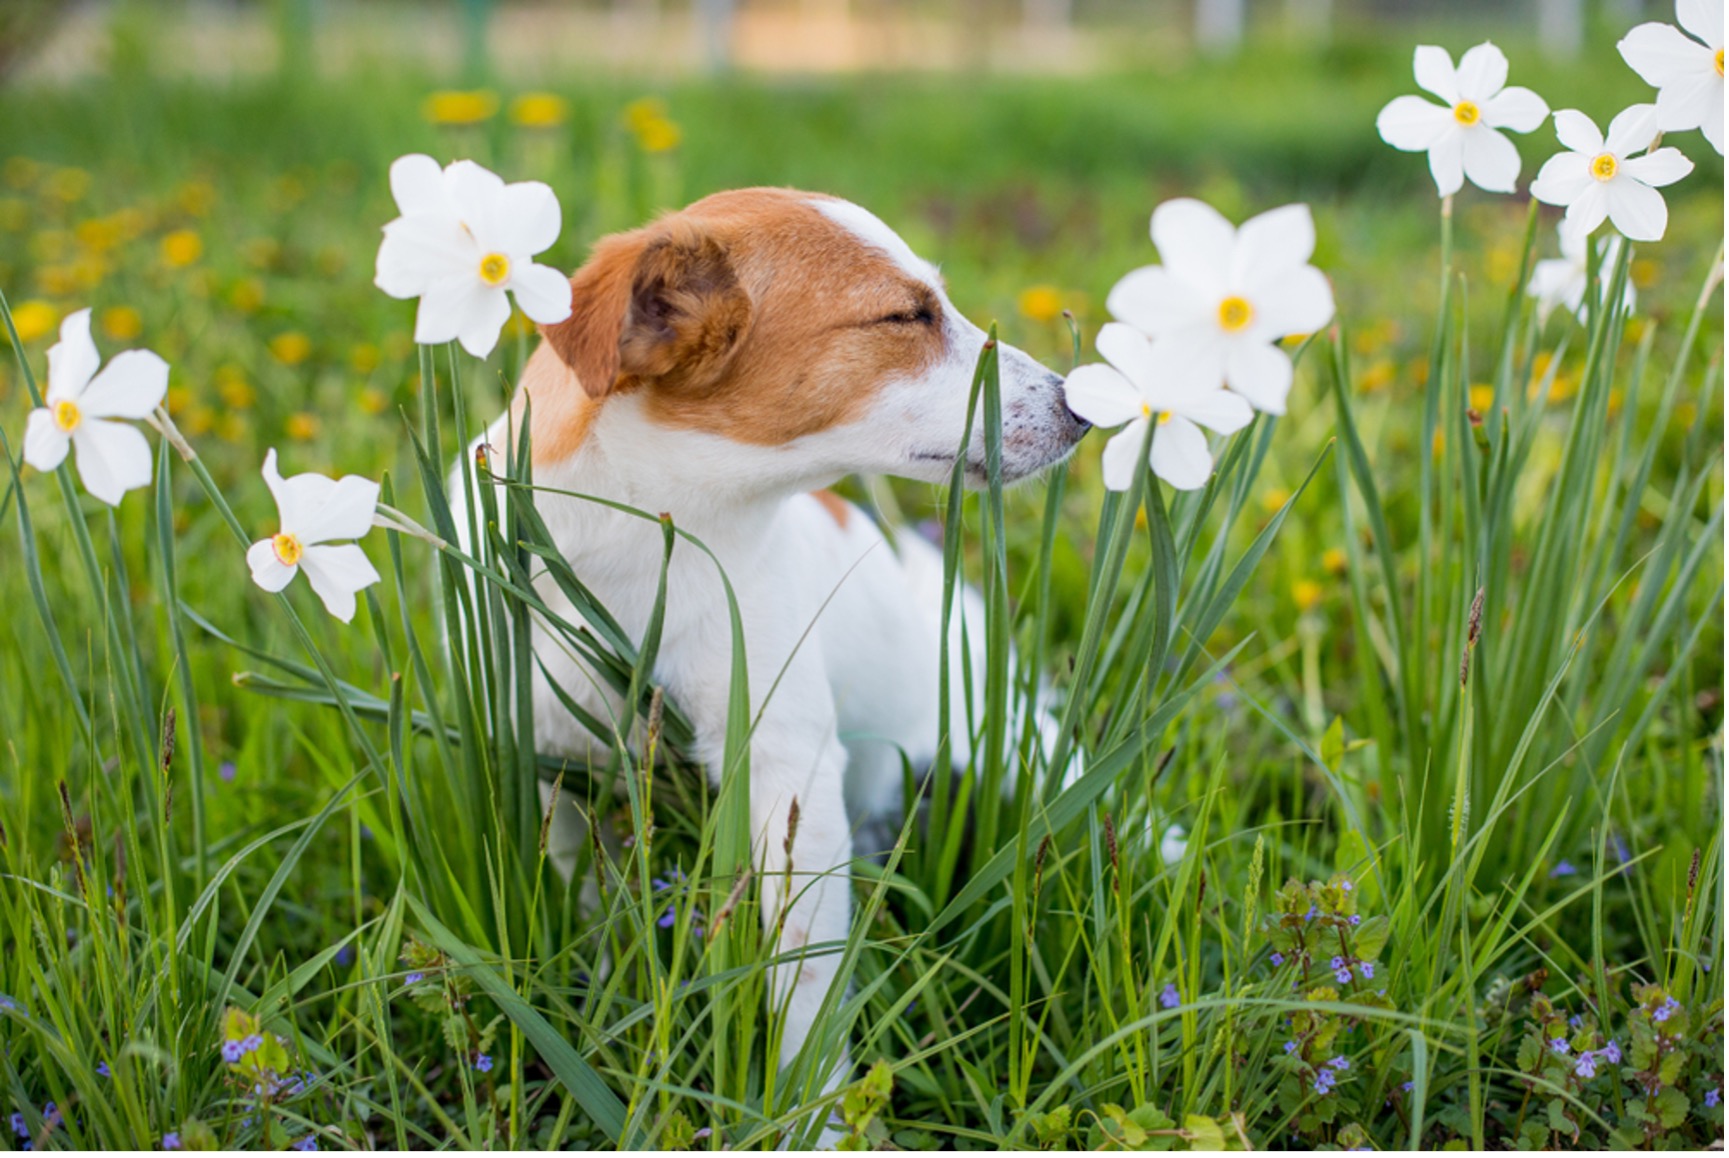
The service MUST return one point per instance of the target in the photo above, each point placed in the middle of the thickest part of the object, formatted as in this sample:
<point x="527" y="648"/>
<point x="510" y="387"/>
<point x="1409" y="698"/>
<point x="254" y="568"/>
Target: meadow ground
<point x="1450" y="899"/>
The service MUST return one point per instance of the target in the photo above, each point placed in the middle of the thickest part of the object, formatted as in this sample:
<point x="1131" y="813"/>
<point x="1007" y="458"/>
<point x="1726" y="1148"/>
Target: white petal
<point x="1661" y="55"/>
<point x="112" y="457"/>
<point x="1685" y="102"/>
<point x="72" y="361"/>
<point x="1552" y="283"/>
<point x="417" y="183"/>
<point x="268" y="571"/>
<point x="1637" y="210"/>
<point x="1195" y="241"/>
<point x="1578" y="132"/>
<point x="345" y="512"/>
<point x="1180" y="454"/>
<point x="1563" y="179"/>
<point x="1433" y="66"/>
<point x="296" y="497"/>
<point x="452" y="305"/>
<point x="418" y="251"/>
<point x="131" y="386"/>
<point x="1491" y="161"/>
<point x="542" y="292"/>
<point x="529" y="219"/>
<point x="1270" y="245"/>
<point x="1482" y="72"/>
<point x="1187" y="361"/>
<point x="1447" y="163"/>
<point x="1102" y="396"/>
<point x="1664" y="167"/>
<point x="478" y="195"/>
<point x="336" y="573"/>
<point x="1712" y="126"/>
<point x="45" y="444"/>
<point x="1572" y="246"/>
<point x="480" y="331"/>
<point x="1588" y="210"/>
<point x="1517" y="109"/>
<point x="1260" y="373"/>
<point x="1131" y="352"/>
<point x="1413" y="124"/>
<point x="1633" y="129"/>
<point x="1300" y="301"/>
<point x="1218" y="410"/>
<point x="1703" y="18"/>
<point x="1122" y="456"/>
<point x="1153" y="300"/>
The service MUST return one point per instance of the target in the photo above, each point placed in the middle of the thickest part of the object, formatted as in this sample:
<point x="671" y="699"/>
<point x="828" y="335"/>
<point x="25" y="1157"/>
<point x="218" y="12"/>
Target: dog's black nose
<point x="1080" y="424"/>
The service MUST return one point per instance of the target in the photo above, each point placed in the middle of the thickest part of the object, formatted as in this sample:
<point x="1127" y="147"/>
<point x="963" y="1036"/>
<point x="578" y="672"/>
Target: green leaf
<point x="1672" y="1107"/>
<point x="1371" y="938"/>
<point x="1204" y="1133"/>
<point x="1333" y="746"/>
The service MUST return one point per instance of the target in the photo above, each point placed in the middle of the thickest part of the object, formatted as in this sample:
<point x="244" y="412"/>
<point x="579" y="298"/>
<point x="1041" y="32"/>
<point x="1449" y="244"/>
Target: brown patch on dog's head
<point x="750" y="314"/>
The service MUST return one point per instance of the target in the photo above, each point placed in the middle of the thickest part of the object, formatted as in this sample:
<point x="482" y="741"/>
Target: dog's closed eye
<point x="923" y="314"/>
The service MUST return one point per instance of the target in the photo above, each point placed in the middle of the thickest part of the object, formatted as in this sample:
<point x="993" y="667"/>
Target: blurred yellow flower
<point x="21" y="172"/>
<point x="236" y="391"/>
<point x="68" y="184"/>
<point x="58" y="281"/>
<point x="659" y="136"/>
<point x="14" y="213"/>
<point x="231" y="428"/>
<point x="261" y="252"/>
<point x="1482" y="398"/>
<point x="246" y="295"/>
<point x="88" y="271"/>
<point x="373" y="401"/>
<point x="363" y="358"/>
<point x="453" y="107"/>
<point x="34" y="319"/>
<point x="642" y="111"/>
<point x="1617" y="398"/>
<point x="1292" y="341"/>
<point x="196" y="197"/>
<point x="290" y="348"/>
<point x="1439" y="446"/>
<point x="1374" y="338"/>
<point x="98" y="233"/>
<point x="539" y="110"/>
<point x="50" y="244"/>
<point x="1378" y="376"/>
<point x="1306" y="593"/>
<point x="1644" y="272"/>
<point x="199" y="420"/>
<point x="122" y="323"/>
<point x="1275" y="498"/>
<point x="182" y="248"/>
<point x="1335" y="561"/>
<point x="1419" y="371"/>
<point x="179" y="398"/>
<point x="1041" y="303"/>
<point x="303" y="426"/>
<point x="1503" y="263"/>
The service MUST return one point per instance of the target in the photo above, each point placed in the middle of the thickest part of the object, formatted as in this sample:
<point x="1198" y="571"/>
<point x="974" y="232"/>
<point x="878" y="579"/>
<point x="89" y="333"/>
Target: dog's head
<point x="802" y="331"/>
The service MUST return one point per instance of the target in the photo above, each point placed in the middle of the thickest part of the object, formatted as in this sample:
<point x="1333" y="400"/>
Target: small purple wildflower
<point x="1712" y="1097"/>
<point x="7" y="1003"/>
<point x="1367" y="968"/>
<point x="667" y="918"/>
<point x="1277" y="959"/>
<point x="232" y="1053"/>
<point x="414" y="978"/>
<point x="1169" y="997"/>
<point x="1612" y="1052"/>
<point x="1356" y="918"/>
<point x="1575" y="1021"/>
<point x="1667" y="1010"/>
<point x="1290" y="1047"/>
<point x="1310" y="915"/>
<point x="1346" y="886"/>
<point x="483" y="1062"/>
<point x="101" y="1069"/>
<point x="1563" y="868"/>
<point x="171" y="1140"/>
<point x="251" y="1043"/>
<point x="1560" y="1045"/>
<point x="1343" y="976"/>
<point x="344" y="956"/>
<point x="1586" y="1066"/>
<point x="227" y="771"/>
<point x="1408" y="1086"/>
<point x="1337" y="962"/>
<point x="1340" y="1063"/>
<point x="1324" y="1082"/>
<point x="310" y="1142"/>
<point x="19" y="1127"/>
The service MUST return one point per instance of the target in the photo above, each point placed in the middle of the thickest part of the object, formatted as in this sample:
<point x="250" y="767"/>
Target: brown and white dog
<point x="721" y="365"/>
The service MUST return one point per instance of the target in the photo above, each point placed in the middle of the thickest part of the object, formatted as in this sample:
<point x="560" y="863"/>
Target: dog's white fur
<point x="854" y="681"/>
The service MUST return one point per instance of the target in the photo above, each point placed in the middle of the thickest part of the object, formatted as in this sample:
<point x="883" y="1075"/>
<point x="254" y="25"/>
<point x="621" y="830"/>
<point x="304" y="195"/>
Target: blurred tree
<point x="24" y="24"/>
<point x="1561" y="26"/>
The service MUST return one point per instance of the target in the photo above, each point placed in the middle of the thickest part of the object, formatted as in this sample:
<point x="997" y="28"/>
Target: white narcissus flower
<point x="1463" y="137"/>
<point x="1133" y="390"/>
<point x="1174" y="844"/>
<point x="1687" y="73"/>
<point x="314" y="512"/>
<point x="463" y="240"/>
<point x="1224" y="295"/>
<point x="1561" y="281"/>
<point x="82" y="408"/>
<point x="1598" y="177"/>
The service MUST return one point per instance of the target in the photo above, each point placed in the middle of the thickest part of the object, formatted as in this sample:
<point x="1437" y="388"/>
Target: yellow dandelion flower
<point x="14" y="213"/>
<point x="122" y="323"/>
<point x="200" y="419"/>
<point x="98" y="233"/>
<point x="196" y="197"/>
<point x="34" y="319"/>
<point x="363" y="358"/>
<point x="373" y="401"/>
<point x="1306" y="594"/>
<point x="642" y="111"/>
<point x="1482" y="398"/>
<point x="232" y="428"/>
<point x="454" y="107"/>
<point x="179" y="398"/>
<point x="247" y="295"/>
<point x="539" y="110"/>
<point x="1335" y="561"/>
<point x="1439" y="446"/>
<point x="303" y="426"/>
<point x="68" y="185"/>
<point x="21" y="172"/>
<point x="58" y="281"/>
<point x="182" y="248"/>
<point x="659" y="136"/>
<point x="1041" y="303"/>
<point x="237" y="392"/>
<point x="290" y="348"/>
<point x="261" y="252"/>
<point x="1377" y="376"/>
<point x="1644" y="272"/>
<point x="1616" y="399"/>
<point x="1275" y="498"/>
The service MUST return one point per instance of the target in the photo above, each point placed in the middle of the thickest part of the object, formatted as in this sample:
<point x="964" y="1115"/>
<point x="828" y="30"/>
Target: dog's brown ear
<point x="657" y="304"/>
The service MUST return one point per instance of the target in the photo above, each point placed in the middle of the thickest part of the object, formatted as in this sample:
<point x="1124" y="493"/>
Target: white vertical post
<point x="1218" y="25"/>
<point x="1561" y="27"/>
<point x="714" y="26"/>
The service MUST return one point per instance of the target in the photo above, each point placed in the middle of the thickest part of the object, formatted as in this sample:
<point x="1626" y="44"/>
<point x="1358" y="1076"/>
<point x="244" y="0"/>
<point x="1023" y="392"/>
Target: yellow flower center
<point x="67" y="415"/>
<point x="1235" y="313"/>
<point x="1467" y="113"/>
<point x="494" y="269"/>
<point x="1605" y="166"/>
<point x="287" y="548"/>
<point x="1165" y="416"/>
<point x="1719" y="62"/>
